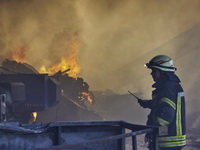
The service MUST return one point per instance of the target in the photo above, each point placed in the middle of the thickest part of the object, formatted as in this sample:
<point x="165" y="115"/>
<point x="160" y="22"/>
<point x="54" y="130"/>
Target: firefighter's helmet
<point x="161" y="62"/>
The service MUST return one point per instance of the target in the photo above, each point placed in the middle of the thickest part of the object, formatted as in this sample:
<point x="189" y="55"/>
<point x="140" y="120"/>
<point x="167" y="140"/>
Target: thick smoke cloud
<point x="114" y="35"/>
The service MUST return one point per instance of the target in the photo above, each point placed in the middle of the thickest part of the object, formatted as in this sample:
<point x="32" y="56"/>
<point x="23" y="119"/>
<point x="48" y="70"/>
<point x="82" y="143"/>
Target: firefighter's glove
<point x="143" y="103"/>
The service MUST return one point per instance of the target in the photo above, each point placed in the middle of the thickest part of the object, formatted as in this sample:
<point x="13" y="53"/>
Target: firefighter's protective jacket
<point x="168" y="109"/>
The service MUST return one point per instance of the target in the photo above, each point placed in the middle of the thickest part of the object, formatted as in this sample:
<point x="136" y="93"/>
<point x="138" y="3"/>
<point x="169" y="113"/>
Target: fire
<point x="70" y="63"/>
<point x="88" y="96"/>
<point x="34" y="116"/>
<point x="43" y="69"/>
<point x="19" y="54"/>
<point x="66" y="63"/>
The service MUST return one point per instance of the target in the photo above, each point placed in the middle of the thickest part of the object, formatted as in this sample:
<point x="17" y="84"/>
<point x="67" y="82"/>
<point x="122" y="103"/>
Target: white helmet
<point x="161" y="62"/>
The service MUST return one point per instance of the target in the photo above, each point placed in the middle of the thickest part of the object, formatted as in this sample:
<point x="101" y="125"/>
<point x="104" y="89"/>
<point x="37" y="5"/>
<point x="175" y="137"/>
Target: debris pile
<point x="75" y="88"/>
<point x="76" y="98"/>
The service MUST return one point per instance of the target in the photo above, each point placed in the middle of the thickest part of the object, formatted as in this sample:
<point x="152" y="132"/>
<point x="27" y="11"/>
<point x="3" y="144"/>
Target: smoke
<point x="45" y="27"/>
<point x="114" y="35"/>
<point x="122" y="34"/>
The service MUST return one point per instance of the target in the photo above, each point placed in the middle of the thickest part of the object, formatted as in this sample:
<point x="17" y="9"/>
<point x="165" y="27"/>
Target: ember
<point x="34" y="116"/>
<point x="89" y="96"/>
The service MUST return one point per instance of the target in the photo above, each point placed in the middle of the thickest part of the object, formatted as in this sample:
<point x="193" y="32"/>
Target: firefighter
<point x="167" y="107"/>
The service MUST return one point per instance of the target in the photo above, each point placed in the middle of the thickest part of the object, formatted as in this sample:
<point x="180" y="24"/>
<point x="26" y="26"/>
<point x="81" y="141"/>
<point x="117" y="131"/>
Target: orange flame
<point x="19" y="54"/>
<point x="70" y="62"/>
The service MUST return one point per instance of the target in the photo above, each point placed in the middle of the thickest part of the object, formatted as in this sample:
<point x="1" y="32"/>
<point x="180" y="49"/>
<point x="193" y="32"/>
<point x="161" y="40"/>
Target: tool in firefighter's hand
<point x="134" y="96"/>
<point x="143" y="103"/>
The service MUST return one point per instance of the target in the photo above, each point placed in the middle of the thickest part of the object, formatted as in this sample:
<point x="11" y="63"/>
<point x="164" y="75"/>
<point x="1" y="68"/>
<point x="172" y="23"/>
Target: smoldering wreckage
<point x="28" y="91"/>
<point x="25" y="93"/>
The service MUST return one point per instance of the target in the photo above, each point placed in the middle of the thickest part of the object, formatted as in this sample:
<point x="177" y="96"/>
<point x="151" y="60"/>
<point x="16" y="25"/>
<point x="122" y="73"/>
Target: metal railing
<point x="94" y="135"/>
<point x="135" y="130"/>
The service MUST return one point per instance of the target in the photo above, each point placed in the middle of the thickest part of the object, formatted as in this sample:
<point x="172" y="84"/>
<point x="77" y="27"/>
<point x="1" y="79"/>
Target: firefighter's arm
<point x="166" y="105"/>
<point x="143" y="103"/>
<point x="166" y="111"/>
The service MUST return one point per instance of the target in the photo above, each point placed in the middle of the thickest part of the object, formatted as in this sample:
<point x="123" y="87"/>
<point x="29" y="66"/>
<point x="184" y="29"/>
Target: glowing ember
<point x="88" y="96"/>
<point x="34" y="116"/>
